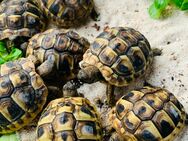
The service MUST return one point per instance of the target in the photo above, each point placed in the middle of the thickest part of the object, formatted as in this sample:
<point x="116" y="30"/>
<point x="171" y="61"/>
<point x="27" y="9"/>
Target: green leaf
<point x="184" y="5"/>
<point x="9" y="137"/>
<point x="154" y="12"/>
<point x="156" y="9"/>
<point x="178" y="3"/>
<point x="161" y="4"/>
<point x="14" y="54"/>
<point x="2" y="61"/>
<point x="2" y="47"/>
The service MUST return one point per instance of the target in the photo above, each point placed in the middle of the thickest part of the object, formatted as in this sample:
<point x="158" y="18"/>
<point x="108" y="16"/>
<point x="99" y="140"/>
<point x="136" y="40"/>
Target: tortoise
<point x="19" y="20"/>
<point x="22" y="94"/>
<point x="68" y="13"/>
<point x="69" y="118"/>
<point x="147" y="114"/>
<point x="118" y="55"/>
<point x="59" y="52"/>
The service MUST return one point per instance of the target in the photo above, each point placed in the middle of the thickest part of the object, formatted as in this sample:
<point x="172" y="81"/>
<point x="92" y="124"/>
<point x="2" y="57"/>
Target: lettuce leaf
<point x="178" y="3"/>
<point x="159" y="6"/>
<point x="9" y="137"/>
<point x="5" y="56"/>
<point x="184" y="5"/>
<point x="156" y="9"/>
<point x="154" y="12"/>
<point x="14" y="54"/>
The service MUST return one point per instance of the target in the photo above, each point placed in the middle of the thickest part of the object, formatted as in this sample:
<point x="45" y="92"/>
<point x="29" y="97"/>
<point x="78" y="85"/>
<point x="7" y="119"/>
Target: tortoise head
<point x="89" y="74"/>
<point x="70" y="89"/>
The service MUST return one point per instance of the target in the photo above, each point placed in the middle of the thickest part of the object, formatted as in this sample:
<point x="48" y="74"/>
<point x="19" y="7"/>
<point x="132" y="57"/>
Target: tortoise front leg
<point x="95" y="15"/>
<point x="47" y="66"/>
<point x="23" y="47"/>
<point x="110" y="95"/>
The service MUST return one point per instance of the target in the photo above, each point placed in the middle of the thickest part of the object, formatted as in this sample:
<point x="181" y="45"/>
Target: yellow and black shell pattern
<point x="67" y="13"/>
<point x="67" y="46"/>
<point x="69" y="119"/>
<point x="148" y="114"/>
<point x="20" y="18"/>
<point x="22" y="94"/>
<point x="121" y="54"/>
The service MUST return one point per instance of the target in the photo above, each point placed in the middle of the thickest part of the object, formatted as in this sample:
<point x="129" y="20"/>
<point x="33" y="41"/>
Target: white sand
<point x="174" y="29"/>
<point x="170" y="34"/>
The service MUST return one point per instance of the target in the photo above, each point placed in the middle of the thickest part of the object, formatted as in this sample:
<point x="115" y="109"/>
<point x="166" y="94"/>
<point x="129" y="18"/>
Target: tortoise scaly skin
<point x="67" y="13"/>
<point x="119" y="55"/>
<point x="58" y="50"/>
<point x="22" y="94"/>
<point x="20" y="20"/>
<point x="69" y="119"/>
<point x="148" y="114"/>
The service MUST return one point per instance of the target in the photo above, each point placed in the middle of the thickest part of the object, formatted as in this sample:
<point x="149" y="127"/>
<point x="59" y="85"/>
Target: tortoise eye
<point x="40" y="132"/>
<point x="4" y="84"/>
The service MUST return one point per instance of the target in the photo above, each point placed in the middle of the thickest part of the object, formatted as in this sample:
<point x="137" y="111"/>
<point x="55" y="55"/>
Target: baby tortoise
<point x="119" y="55"/>
<point x="19" y="20"/>
<point x="22" y="94"/>
<point x="69" y="119"/>
<point x="67" y="13"/>
<point x="58" y="51"/>
<point x="148" y="114"/>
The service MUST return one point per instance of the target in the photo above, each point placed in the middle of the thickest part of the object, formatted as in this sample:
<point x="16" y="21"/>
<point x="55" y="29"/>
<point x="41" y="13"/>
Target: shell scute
<point x="131" y="122"/>
<point x="64" y="121"/>
<point x="164" y="123"/>
<point x="148" y="131"/>
<point x="143" y="110"/>
<point x="6" y="88"/>
<point x="62" y="44"/>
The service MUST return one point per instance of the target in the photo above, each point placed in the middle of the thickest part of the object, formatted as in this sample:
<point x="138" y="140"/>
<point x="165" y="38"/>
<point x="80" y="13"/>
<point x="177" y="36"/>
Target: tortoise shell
<point x="121" y="54"/>
<point x="67" y="46"/>
<point x="22" y="94"/>
<point x="151" y="114"/>
<point x="66" y="13"/>
<point x="20" y="18"/>
<point x="69" y="119"/>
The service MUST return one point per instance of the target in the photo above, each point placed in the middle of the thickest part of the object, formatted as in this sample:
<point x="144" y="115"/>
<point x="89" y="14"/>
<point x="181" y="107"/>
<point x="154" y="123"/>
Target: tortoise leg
<point x="23" y="47"/>
<point x="110" y="95"/>
<point x="47" y="66"/>
<point x="147" y="84"/>
<point x="95" y="15"/>
<point x="157" y="52"/>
